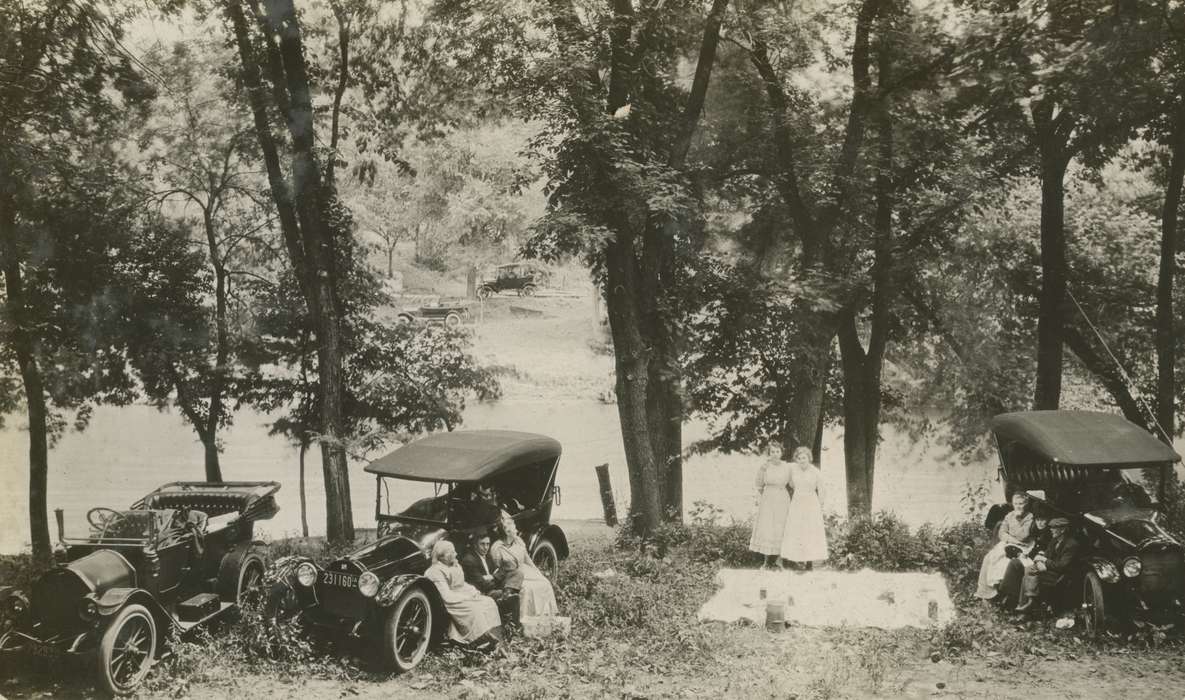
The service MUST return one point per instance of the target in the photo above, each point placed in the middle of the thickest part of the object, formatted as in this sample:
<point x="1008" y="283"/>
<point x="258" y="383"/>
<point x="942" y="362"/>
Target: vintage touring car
<point x="1089" y="467"/>
<point x="179" y="557"/>
<point x="379" y="591"/>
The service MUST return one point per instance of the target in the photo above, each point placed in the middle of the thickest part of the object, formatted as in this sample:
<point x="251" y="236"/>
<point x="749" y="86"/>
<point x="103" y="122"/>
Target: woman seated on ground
<point x="517" y="572"/>
<point x="473" y="617"/>
<point x="1016" y="529"/>
<point x="1018" y="585"/>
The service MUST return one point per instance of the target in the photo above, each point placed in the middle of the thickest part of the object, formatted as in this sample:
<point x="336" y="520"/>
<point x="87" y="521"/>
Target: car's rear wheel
<point x="127" y="649"/>
<point x="547" y="558"/>
<point x="237" y="574"/>
<point x="404" y="319"/>
<point x="453" y="319"/>
<point x="484" y="293"/>
<point x="527" y="290"/>
<point x="1094" y="606"/>
<point x="407" y="630"/>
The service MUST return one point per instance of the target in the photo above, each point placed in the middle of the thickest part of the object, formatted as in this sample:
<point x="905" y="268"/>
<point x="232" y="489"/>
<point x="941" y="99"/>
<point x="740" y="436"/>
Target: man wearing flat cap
<point x="1052" y="565"/>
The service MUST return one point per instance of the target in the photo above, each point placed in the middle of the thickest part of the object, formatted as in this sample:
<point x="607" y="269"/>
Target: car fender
<point x="395" y="586"/>
<point x="556" y="535"/>
<point x="284" y="569"/>
<point x="115" y="599"/>
<point x="1108" y="573"/>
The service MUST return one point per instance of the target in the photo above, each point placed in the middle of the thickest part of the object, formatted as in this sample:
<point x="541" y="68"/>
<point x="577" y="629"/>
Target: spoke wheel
<point x="127" y="649"/>
<point x="547" y="559"/>
<point x="1094" y="607"/>
<point x="527" y="291"/>
<point x="484" y="293"/>
<point x="452" y="320"/>
<point x="408" y="630"/>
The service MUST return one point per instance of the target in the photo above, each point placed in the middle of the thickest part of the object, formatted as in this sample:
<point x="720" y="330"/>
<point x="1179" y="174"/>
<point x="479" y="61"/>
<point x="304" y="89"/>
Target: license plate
<point x="46" y="650"/>
<point x="334" y="578"/>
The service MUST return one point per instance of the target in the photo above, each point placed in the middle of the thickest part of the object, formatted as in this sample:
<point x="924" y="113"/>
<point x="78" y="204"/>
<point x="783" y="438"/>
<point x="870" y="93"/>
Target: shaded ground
<point x="688" y="659"/>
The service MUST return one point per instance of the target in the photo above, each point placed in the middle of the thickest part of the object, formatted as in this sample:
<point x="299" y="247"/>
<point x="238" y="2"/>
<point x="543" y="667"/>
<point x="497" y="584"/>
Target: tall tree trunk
<point x="304" y="509"/>
<point x="25" y="345"/>
<point x="304" y="223"/>
<point x="1166" y="384"/>
<point x="1048" y="389"/>
<point x="221" y="356"/>
<point x="391" y="261"/>
<point x="213" y="466"/>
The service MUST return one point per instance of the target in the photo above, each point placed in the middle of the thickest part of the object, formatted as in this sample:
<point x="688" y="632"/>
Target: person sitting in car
<point x="1051" y="566"/>
<point x="473" y="616"/>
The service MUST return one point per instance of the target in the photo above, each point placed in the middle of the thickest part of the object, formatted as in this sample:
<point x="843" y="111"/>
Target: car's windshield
<point x="108" y="524"/>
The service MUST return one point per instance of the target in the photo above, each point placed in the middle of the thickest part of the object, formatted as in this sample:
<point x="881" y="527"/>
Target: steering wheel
<point x="102" y="518"/>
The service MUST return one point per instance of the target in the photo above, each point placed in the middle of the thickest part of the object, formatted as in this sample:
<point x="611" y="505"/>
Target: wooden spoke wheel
<point x="408" y="630"/>
<point x="127" y="650"/>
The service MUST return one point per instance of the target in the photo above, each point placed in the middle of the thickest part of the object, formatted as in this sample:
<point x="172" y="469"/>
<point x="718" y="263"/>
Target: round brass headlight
<point x="17" y="605"/>
<point x="306" y="574"/>
<point x="1132" y="567"/>
<point x="368" y="584"/>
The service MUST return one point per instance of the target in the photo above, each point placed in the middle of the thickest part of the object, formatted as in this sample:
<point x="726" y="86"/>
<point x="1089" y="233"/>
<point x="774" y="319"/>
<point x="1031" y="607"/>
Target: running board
<point x="186" y="626"/>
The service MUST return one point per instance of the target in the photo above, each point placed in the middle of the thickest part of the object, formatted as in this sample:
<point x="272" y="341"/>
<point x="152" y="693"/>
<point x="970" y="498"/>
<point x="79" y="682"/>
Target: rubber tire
<point x="484" y="293"/>
<point x="404" y="320"/>
<point x="233" y="578"/>
<point x="107" y="646"/>
<point x="1094" y="606"/>
<point x="452" y="320"/>
<point x="391" y="631"/>
<point x="527" y="291"/>
<point x="546" y="551"/>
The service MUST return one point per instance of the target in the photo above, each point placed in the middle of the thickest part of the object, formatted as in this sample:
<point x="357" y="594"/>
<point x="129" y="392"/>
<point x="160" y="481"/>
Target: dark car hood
<point x="57" y="593"/>
<point x="1136" y="525"/>
<point x="387" y="553"/>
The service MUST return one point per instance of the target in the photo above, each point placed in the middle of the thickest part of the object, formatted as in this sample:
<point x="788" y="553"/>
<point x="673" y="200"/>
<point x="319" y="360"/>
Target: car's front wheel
<point x="452" y="320"/>
<point x="484" y="293"/>
<point x="127" y="649"/>
<point x="527" y="291"/>
<point x="1094" y="606"/>
<point x="547" y="559"/>
<point x="407" y="630"/>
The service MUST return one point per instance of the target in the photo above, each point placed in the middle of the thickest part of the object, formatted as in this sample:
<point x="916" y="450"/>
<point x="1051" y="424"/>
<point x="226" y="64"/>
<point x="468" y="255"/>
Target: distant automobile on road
<point x="451" y="315"/>
<point x="523" y="278"/>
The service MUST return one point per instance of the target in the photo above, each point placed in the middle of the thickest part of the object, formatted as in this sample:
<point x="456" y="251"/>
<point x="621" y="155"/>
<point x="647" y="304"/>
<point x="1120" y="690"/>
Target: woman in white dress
<point x="516" y="571"/>
<point x="806" y="538"/>
<point x="1016" y="529"/>
<point x="473" y="617"/>
<point x="769" y="526"/>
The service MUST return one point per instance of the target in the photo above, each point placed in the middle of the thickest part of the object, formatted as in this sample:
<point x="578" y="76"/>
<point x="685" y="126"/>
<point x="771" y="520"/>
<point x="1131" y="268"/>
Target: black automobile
<point x="1090" y="468"/>
<point x="178" y="558"/>
<point x="523" y="278"/>
<point x="379" y="593"/>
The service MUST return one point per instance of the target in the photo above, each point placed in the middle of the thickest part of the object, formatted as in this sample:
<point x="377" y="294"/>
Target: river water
<point x="126" y="452"/>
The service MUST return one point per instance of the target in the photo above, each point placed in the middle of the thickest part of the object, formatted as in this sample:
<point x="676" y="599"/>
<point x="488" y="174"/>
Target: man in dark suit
<point x="1059" y="559"/>
<point x="478" y="572"/>
<point x="476" y="564"/>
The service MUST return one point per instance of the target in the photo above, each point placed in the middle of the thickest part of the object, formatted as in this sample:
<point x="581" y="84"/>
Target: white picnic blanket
<point x="863" y="598"/>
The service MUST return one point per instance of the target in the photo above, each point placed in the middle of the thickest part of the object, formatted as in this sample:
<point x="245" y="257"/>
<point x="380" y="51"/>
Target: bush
<point x="704" y="537"/>
<point x="21" y="570"/>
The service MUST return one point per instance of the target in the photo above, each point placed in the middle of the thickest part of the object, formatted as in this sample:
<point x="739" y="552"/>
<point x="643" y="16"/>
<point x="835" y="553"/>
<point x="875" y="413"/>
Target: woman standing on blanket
<point x="805" y="539"/>
<point x="773" y="487"/>
<point x="1015" y="530"/>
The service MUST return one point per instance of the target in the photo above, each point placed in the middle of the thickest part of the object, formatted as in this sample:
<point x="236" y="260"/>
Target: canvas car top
<point x="465" y="455"/>
<point x="1082" y="438"/>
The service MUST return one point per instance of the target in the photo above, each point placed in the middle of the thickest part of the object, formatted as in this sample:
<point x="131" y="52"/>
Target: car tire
<point x="547" y="559"/>
<point x="1094" y="606"/>
<point x="407" y="630"/>
<point x="404" y="319"/>
<point x="484" y="293"/>
<point x="126" y="650"/>
<point x="452" y="320"/>
<point x="238" y="573"/>
<point x="527" y="291"/>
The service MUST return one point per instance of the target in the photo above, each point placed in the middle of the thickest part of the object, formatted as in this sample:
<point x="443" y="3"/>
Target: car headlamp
<point x="17" y="605"/>
<point x="1132" y="567"/>
<point x="88" y="610"/>
<point x="306" y="574"/>
<point x="368" y="584"/>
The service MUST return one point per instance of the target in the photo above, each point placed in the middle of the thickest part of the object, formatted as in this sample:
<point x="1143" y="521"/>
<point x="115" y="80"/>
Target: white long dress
<point x="518" y="571"/>
<point x="770" y="524"/>
<point x="805" y="538"/>
<point x="471" y="614"/>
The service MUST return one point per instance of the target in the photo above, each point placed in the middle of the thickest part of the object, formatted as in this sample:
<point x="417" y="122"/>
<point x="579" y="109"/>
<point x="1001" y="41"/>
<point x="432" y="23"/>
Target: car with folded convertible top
<point x="175" y="560"/>
<point x="378" y="593"/>
<point x="1095" y="469"/>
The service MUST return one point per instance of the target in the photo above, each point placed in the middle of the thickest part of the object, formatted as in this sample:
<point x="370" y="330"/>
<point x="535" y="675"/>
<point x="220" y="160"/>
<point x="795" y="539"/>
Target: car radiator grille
<point x="1163" y="575"/>
<point x="55" y="600"/>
